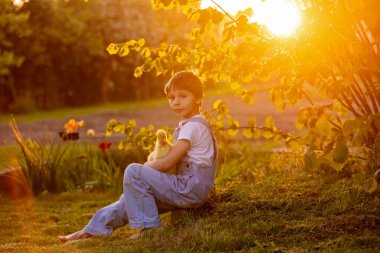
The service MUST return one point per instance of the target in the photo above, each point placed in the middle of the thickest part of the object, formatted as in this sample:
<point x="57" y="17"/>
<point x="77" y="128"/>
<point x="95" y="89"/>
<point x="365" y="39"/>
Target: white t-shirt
<point x="201" y="149"/>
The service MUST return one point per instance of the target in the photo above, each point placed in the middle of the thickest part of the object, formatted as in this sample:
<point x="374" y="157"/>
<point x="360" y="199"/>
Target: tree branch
<point x="349" y="105"/>
<point x="359" y="93"/>
<point x="224" y="11"/>
<point x="366" y="80"/>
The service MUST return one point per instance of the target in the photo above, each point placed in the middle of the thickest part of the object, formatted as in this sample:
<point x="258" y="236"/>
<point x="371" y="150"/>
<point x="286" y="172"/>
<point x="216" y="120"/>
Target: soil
<point x="48" y="129"/>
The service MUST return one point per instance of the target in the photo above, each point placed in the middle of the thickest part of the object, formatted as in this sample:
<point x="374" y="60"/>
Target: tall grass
<point x="66" y="166"/>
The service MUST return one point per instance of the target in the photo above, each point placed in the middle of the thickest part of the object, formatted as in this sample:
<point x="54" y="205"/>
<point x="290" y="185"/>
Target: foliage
<point x="67" y="166"/>
<point x="142" y="140"/>
<point x="42" y="163"/>
<point x="63" y="61"/>
<point x="332" y="63"/>
<point x="13" y="27"/>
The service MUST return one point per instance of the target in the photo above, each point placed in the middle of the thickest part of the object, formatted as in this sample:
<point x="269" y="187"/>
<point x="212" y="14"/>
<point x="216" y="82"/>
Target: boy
<point x="147" y="190"/>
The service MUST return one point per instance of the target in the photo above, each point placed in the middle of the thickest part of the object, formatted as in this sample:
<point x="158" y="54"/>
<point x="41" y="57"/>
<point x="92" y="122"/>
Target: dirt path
<point x="158" y="116"/>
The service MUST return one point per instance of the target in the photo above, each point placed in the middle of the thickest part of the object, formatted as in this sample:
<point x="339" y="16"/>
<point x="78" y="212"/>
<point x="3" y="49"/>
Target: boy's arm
<point x="178" y="151"/>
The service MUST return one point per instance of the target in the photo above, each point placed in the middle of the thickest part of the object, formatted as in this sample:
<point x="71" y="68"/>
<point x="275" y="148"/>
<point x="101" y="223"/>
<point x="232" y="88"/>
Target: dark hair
<point x="185" y="80"/>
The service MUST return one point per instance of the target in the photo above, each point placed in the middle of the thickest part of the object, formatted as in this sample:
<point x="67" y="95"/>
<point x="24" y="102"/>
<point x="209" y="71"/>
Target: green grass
<point x="63" y="113"/>
<point x="8" y="155"/>
<point x="81" y="111"/>
<point x="269" y="206"/>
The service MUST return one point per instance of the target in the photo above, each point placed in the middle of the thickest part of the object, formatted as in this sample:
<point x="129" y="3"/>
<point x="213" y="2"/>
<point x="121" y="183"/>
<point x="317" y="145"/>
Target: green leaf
<point x="248" y="133"/>
<point x="113" y="48"/>
<point x="145" y="53"/>
<point x="302" y="118"/>
<point x="118" y="127"/>
<point x="121" y="145"/>
<point x="269" y="127"/>
<point x="296" y="146"/>
<point x="130" y="43"/>
<point x="256" y="134"/>
<point x="138" y="72"/>
<point x="337" y="166"/>
<point x="269" y="122"/>
<point x="340" y="152"/>
<point x="323" y="126"/>
<point x="146" y="143"/>
<point x="159" y="68"/>
<point x="141" y="42"/>
<point x="252" y="121"/>
<point x="235" y="86"/>
<point x="229" y="33"/>
<point x="358" y="138"/>
<point x="216" y="16"/>
<point x="194" y="34"/>
<point x="151" y="128"/>
<point x="312" y="162"/>
<point x="268" y="134"/>
<point x="220" y="106"/>
<point x="248" y="99"/>
<point x="234" y="125"/>
<point x="350" y="126"/>
<point x="132" y="123"/>
<point x="124" y="51"/>
<point x="204" y="16"/>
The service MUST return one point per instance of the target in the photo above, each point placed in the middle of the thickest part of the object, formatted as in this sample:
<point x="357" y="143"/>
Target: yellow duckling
<point x="162" y="148"/>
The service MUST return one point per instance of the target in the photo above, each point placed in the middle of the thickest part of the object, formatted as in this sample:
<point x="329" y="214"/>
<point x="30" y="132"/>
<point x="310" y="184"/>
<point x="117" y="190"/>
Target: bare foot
<point x="74" y="236"/>
<point x="141" y="232"/>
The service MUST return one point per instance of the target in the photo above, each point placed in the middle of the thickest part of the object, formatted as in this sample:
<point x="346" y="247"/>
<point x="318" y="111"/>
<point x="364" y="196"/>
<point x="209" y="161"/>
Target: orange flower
<point x="72" y="126"/>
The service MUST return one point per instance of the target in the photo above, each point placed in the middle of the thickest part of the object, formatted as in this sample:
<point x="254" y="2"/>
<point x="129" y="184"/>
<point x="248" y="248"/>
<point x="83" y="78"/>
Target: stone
<point x="13" y="183"/>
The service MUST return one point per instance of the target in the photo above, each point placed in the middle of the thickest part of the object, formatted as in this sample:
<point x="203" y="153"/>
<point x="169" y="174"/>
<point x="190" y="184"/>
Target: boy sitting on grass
<point x="148" y="190"/>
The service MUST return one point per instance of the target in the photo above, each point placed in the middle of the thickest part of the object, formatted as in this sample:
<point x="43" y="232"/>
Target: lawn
<point x="8" y="155"/>
<point x="262" y="204"/>
<point x="79" y="111"/>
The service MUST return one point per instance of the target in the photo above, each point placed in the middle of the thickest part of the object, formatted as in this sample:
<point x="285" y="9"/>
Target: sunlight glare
<point x="19" y="2"/>
<point x="281" y="17"/>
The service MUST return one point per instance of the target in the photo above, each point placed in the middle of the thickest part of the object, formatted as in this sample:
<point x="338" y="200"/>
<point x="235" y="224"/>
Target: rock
<point x="13" y="183"/>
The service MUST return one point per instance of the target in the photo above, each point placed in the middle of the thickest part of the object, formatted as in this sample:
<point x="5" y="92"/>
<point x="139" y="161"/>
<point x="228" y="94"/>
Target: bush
<point x="63" y="166"/>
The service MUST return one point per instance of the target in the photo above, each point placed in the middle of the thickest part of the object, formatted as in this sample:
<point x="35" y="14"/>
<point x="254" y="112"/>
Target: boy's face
<point x="183" y="103"/>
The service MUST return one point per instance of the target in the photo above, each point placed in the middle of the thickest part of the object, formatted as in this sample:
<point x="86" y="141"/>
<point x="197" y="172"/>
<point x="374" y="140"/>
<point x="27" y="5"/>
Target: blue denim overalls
<point x="148" y="193"/>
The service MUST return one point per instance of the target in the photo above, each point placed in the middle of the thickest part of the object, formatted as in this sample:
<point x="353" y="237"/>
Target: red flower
<point x="104" y="145"/>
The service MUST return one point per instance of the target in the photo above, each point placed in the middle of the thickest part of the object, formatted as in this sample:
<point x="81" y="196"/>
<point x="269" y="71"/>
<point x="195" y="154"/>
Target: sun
<point x="281" y="17"/>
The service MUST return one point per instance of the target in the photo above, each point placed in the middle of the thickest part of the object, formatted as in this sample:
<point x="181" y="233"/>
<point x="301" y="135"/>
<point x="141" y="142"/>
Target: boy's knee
<point x="132" y="171"/>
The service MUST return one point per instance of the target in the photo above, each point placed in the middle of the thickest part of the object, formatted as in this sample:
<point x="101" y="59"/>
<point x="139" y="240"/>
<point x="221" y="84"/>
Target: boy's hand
<point x="170" y="160"/>
<point x="148" y="164"/>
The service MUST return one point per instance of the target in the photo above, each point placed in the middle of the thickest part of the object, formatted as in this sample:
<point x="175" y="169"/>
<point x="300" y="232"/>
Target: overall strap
<point x="205" y="123"/>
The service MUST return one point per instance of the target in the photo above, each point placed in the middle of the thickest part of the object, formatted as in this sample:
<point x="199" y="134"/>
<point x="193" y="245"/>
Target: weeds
<point x="67" y="166"/>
